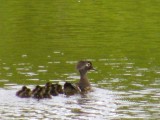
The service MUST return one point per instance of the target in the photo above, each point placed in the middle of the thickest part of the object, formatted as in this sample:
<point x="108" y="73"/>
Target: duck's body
<point x="83" y="86"/>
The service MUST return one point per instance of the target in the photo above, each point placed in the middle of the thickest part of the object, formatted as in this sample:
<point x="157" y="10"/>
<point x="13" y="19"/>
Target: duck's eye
<point x="88" y="64"/>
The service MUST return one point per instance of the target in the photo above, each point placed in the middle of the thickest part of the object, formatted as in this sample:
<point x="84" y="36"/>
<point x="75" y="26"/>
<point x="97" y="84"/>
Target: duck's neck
<point x="83" y="82"/>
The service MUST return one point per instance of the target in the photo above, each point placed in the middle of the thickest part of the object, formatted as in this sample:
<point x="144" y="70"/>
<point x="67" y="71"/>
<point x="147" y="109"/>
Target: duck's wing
<point x="76" y="87"/>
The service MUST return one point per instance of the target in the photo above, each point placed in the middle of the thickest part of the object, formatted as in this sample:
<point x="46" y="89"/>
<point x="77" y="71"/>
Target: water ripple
<point x="92" y="106"/>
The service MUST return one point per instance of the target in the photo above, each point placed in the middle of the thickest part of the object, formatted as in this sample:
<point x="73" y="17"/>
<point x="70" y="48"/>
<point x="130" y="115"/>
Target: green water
<point x="43" y="40"/>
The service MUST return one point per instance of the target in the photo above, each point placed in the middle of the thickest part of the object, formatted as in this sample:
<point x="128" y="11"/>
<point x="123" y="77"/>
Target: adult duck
<point x="83" y="86"/>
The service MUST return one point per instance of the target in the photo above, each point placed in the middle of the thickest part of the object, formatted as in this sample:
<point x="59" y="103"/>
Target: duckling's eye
<point x="88" y="64"/>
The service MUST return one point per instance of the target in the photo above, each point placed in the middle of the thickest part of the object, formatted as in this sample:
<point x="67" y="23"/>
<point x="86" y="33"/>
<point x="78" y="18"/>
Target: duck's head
<point x="84" y="66"/>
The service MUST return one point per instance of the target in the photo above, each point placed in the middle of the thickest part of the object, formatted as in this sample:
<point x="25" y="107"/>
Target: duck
<point x="27" y="93"/>
<point x="39" y="94"/>
<point x="36" y="89"/>
<point x="83" y="86"/>
<point x="24" y="92"/>
<point x="47" y="93"/>
<point x="59" y="88"/>
<point x="19" y="93"/>
<point x="53" y="90"/>
<point x="70" y="89"/>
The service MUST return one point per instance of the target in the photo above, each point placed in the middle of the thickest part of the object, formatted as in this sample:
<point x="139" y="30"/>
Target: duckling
<point x="70" y="89"/>
<point x="27" y="93"/>
<point x="47" y="93"/>
<point x="83" y="86"/>
<point x="39" y="94"/>
<point x="19" y="93"/>
<point x="35" y="89"/>
<point x="53" y="91"/>
<point x="59" y="88"/>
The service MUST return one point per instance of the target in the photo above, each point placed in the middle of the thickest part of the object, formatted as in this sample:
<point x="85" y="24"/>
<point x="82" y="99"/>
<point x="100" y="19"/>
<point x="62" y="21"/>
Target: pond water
<point x="42" y="41"/>
<point x="92" y="106"/>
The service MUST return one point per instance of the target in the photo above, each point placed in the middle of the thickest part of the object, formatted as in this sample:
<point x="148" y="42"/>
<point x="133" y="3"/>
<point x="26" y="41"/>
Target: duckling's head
<point x="84" y="66"/>
<point x="37" y="87"/>
<point x="68" y="85"/>
<point x="48" y="84"/>
<point x="24" y="88"/>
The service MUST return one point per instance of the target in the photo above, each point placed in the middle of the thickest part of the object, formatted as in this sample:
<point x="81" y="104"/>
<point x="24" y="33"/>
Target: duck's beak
<point x="93" y="69"/>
